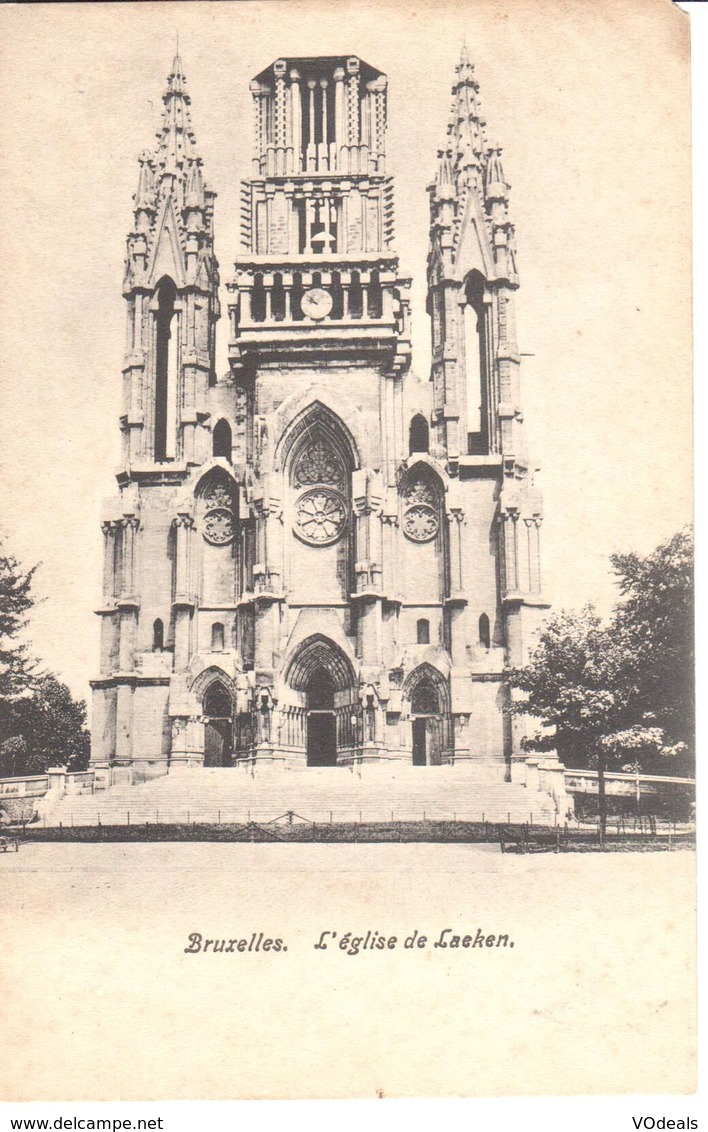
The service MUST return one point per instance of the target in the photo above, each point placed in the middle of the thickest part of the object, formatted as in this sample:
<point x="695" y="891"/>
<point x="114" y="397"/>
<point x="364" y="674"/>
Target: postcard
<point x="347" y="743"/>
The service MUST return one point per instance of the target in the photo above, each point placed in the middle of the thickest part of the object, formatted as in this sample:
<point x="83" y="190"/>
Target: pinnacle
<point x="175" y="138"/>
<point x="465" y="69"/>
<point x="177" y="79"/>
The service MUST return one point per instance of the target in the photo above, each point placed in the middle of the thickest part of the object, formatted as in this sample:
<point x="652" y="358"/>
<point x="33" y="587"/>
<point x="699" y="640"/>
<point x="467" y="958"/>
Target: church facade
<point x="317" y="559"/>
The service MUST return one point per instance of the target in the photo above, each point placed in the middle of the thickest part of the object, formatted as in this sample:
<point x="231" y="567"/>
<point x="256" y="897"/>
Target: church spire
<point x="469" y="164"/>
<point x="171" y="287"/>
<point x="176" y="141"/>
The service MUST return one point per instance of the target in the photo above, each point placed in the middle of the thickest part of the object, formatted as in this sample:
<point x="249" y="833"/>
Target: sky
<point x="591" y="105"/>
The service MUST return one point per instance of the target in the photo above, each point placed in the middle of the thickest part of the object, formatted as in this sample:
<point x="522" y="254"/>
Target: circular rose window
<point x="420" y="522"/>
<point x="320" y="516"/>
<point x="219" y="526"/>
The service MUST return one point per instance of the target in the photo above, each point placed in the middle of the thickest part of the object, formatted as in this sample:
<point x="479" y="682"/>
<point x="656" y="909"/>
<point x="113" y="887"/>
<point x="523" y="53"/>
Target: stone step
<point x="319" y="795"/>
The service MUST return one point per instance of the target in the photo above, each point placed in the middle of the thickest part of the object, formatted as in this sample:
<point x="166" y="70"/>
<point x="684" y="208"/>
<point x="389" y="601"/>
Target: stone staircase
<point x="378" y="794"/>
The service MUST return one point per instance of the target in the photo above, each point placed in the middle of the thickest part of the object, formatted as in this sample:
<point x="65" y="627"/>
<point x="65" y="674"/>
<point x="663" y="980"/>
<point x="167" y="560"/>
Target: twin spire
<point x="468" y="157"/>
<point x="175" y="164"/>
<point x="470" y="187"/>
<point x="173" y="207"/>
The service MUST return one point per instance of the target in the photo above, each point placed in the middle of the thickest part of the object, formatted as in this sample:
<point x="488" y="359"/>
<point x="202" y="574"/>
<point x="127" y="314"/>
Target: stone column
<point x="130" y="526"/>
<point x="109" y="550"/>
<point x="509" y="520"/>
<point x="183" y="601"/>
<point x="296" y="119"/>
<point x="535" y="555"/>
<point x="339" y="118"/>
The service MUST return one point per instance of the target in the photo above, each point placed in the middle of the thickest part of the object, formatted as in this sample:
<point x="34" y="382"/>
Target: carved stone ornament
<point x="320" y="517"/>
<point x="319" y="465"/>
<point x="218" y="496"/>
<point x="420" y="522"/>
<point x="219" y="526"/>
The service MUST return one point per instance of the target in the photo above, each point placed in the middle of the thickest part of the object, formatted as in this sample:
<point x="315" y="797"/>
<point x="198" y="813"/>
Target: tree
<point x="656" y="621"/>
<point x="13" y="756"/>
<point x="15" y="602"/>
<point x="575" y="684"/>
<point x="52" y="724"/>
<point x="41" y="725"/>
<point x="619" y="693"/>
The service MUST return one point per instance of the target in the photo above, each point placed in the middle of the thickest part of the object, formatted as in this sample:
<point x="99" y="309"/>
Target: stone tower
<point x="317" y="559"/>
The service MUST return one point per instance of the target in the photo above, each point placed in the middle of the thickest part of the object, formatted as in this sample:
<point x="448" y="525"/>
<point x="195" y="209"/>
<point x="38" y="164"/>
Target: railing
<point x="25" y="786"/>
<point x="269" y="298"/>
<point x="642" y="794"/>
<point x="365" y="292"/>
<point x="585" y="778"/>
<point x="37" y="785"/>
<point x="534" y="834"/>
<point x="323" y="157"/>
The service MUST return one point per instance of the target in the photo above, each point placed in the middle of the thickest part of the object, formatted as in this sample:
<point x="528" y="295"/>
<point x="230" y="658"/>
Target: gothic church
<point x="318" y="559"/>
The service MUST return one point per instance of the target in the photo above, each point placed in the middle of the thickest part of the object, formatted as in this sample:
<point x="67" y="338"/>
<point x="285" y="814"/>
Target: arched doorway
<point x="321" y="720"/>
<point x="324" y="712"/>
<point x="218" y="726"/>
<point x="429" y="717"/>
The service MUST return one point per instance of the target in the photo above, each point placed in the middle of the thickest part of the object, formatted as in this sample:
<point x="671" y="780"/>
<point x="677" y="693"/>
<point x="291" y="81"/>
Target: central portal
<point x="321" y="722"/>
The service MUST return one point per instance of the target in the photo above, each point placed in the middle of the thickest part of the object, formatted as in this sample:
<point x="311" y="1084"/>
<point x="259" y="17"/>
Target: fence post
<point x="128" y="816"/>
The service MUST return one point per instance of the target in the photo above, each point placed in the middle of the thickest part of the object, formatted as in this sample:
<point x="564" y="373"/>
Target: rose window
<point x="320" y="516"/>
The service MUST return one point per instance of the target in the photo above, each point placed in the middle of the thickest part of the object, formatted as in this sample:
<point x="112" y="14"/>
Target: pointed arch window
<point x="165" y="423"/>
<point x="221" y="440"/>
<point x="423" y="631"/>
<point x="485" y="639"/>
<point x="158" y="635"/>
<point x="319" y="475"/>
<point x="217" y="637"/>
<point x="424" y="699"/>
<point x="418" y="438"/>
<point x="217" y="701"/>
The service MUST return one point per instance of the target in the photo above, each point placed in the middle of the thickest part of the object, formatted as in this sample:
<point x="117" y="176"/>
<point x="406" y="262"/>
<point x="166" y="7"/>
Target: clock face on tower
<point x="316" y="303"/>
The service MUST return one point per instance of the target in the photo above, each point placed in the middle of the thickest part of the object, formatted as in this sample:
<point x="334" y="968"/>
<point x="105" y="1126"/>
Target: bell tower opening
<point x="166" y="373"/>
<point x="475" y="332"/>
